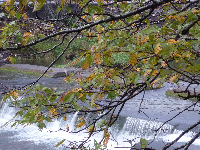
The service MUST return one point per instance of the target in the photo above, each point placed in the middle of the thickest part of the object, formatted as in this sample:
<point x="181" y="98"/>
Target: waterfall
<point x="123" y="131"/>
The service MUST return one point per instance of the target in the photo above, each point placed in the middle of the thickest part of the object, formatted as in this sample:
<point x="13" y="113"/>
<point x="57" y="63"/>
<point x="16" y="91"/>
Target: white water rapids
<point x="126" y="129"/>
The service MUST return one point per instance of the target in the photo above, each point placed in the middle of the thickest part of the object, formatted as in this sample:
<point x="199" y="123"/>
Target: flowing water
<point x="156" y="107"/>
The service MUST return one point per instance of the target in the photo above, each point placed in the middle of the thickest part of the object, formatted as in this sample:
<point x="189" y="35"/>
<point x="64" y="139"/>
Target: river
<point x="157" y="108"/>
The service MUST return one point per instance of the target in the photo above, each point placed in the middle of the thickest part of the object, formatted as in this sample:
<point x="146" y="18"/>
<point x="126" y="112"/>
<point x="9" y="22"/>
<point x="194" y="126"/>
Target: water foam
<point x="133" y="128"/>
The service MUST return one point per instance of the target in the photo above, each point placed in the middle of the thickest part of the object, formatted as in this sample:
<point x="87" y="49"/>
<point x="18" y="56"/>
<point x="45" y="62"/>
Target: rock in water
<point x="59" y="74"/>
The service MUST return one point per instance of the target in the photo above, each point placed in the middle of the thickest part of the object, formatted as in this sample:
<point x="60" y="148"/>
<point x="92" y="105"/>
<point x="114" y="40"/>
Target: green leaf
<point x="12" y="60"/>
<point x="68" y="97"/>
<point x="144" y="143"/>
<point x="94" y="98"/>
<point x="18" y="15"/>
<point x="69" y="10"/>
<point x="60" y="142"/>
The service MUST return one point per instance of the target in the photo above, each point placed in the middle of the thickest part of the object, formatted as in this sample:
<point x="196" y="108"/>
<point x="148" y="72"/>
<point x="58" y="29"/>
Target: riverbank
<point x="39" y="70"/>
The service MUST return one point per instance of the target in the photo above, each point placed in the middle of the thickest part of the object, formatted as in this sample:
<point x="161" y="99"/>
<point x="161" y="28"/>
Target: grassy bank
<point x="171" y="93"/>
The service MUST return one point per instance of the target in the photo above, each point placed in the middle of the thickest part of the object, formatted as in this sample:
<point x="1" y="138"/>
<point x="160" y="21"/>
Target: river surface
<point x="132" y="125"/>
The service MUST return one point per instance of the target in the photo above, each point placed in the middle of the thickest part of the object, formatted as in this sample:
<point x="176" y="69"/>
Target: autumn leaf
<point x="90" y="77"/>
<point x="86" y="63"/>
<point x="144" y="40"/>
<point x="80" y="124"/>
<point x="76" y="89"/>
<point x="65" y="118"/>
<point x="132" y="59"/>
<point x="107" y="81"/>
<point x="106" y="138"/>
<point x="97" y="58"/>
<point x="15" y="94"/>
<point x="155" y="82"/>
<point x="155" y="72"/>
<point x="90" y="129"/>
<point x="173" y="78"/>
<point x="171" y="41"/>
<point x="67" y="127"/>
<point x="157" y="48"/>
<point x="163" y="64"/>
<point x="63" y="2"/>
<point x="138" y="69"/>
<point x="147" y="72"/>
<point x="24" y="16"/>
<point x="27" y="34"/>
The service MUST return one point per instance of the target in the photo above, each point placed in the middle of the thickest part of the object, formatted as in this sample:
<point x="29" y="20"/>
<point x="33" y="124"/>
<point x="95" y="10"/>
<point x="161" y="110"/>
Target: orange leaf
<point x="80" y="124"/>
<point x="65" y="118"/>
<point x="106" y="138"/>
<point x="171" y="41"/>
<point x="173" y="78"/>
<point x="97" y="58"/>
<point x="155" y="73"/>
<point x="27" y="34"/>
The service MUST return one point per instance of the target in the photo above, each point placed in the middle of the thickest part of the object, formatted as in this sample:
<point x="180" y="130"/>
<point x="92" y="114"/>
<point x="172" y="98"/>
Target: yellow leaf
<point x="155" y="73"/>
<point x="24" y="16"/>
<point x="147" y="72"/>
<point x="155" y="81"/>
<point x="144" y="60"/>
<point x="106" y="138"/>
<point x="76" y="89"/>
<point x="54" y="114"/>
<point x="157" y="48"/>
<point x="63" y="2"/>
<point x="144" y="40"/>
<point x="173" y="78"/>
<point x="40" y="119"/>
<point x="90" y="77"/>
<point x="97" y="58"/>
<point x="65" y="118"/>
<point x="171" y="41"/>
<point x="86" y="62"/>
<point x="80" y="124"/>
<point x="51" y="111"/>
<point x="132" y="59"/>
<point x="163" y="64"/>
<point x="89" y="36"/>
<point x="67" y="127"/>
<point x="15" y="94"/>
<point x="138" y="69"/>
<point x="81" y="95"/>
<point x="90" y="129"/>
<point x="81" y="118"/>
<point x="107" y="82"/>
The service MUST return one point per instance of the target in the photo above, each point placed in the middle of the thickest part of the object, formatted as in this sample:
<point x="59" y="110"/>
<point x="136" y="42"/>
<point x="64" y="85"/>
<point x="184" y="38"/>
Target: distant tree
<point x="159" y="37"/>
